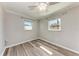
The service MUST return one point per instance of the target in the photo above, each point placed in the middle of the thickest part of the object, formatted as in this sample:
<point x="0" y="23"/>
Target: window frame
<point x="59" y="24"/>
<point x="27" y="20"/>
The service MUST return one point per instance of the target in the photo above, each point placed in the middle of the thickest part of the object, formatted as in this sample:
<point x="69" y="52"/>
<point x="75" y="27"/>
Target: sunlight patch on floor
<point x="49" y="52"/>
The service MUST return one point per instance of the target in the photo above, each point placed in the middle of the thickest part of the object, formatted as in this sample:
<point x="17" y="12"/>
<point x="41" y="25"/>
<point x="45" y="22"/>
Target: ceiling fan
<point x="41" y="5"/>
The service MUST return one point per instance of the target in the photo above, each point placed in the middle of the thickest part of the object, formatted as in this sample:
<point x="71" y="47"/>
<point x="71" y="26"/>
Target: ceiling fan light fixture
<point x="42" y="6"/>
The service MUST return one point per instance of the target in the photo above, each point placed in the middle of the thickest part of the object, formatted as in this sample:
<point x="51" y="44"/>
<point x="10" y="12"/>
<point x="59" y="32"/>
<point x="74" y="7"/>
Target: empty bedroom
<point x="39" y="28"/>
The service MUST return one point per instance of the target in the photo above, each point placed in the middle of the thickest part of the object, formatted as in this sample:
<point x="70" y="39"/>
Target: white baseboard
<point x="42" y="38"/>
<point x="21" y="42"/>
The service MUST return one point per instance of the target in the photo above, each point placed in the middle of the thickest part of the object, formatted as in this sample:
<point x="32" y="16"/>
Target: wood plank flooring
<point x="38" y="48"/>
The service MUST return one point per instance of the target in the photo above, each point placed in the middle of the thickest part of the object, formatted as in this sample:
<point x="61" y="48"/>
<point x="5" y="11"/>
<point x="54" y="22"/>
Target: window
<point x="27" y="24"/>
<point x="54" y="25"/>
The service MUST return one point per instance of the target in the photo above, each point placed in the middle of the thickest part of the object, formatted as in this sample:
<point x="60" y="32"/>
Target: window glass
<point x="27" y="25"/>
<point x="54" y="25"/>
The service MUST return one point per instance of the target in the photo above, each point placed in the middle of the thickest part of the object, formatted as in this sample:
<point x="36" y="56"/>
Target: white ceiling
<point x="28" y="8"/>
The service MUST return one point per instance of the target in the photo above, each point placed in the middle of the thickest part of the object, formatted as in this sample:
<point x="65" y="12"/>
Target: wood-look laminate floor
<point x="38" y="48"/>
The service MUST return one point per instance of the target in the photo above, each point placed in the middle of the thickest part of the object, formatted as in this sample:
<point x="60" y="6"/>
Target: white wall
<point x="14" y="30"/>
<point x="2" y="42"/>
<point x="69" y="35"/>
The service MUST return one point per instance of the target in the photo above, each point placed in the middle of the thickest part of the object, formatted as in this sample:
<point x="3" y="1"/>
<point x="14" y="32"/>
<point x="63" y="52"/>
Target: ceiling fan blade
<point x="32" y="7"/>
<point x="52" y="3"/>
